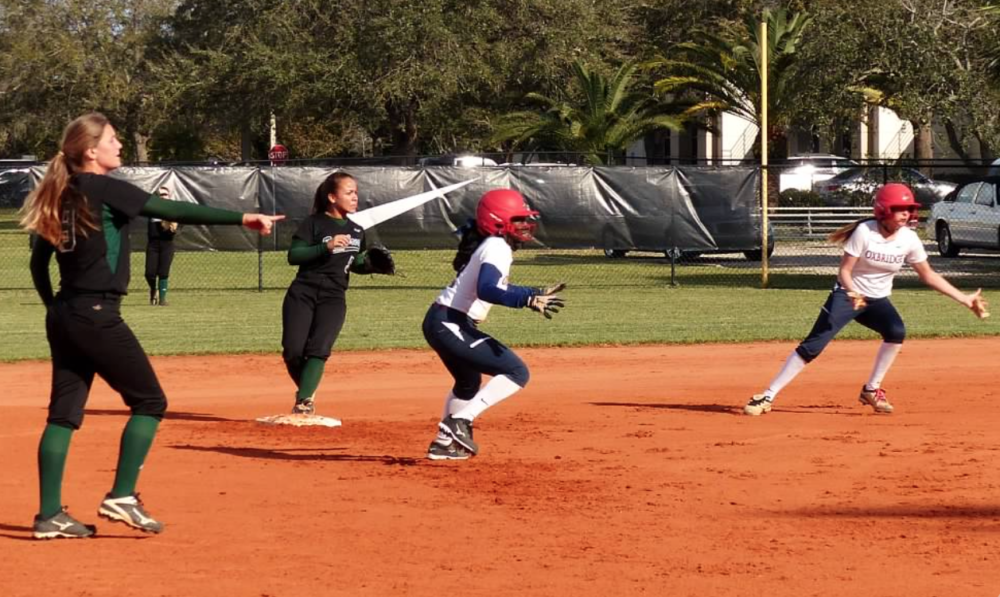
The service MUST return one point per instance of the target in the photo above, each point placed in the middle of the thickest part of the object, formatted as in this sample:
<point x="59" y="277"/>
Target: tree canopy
<point x="597" y="118"/>
<point x="192" y="79"/>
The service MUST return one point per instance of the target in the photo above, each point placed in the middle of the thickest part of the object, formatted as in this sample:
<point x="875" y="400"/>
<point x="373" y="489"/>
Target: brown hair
<point x="321" y="201"/>
<point x="44" y="206"/>
<point x="840" y="235"/>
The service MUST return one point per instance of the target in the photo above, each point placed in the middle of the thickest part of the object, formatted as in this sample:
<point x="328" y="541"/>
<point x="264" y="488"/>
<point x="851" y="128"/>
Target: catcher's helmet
<point x="503" y="212"/>
<point x="895" y="195"/>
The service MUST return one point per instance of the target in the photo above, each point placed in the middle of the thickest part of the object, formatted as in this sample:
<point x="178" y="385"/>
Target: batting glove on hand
<point x="857" y="300"/>
<point x="545" y="300"/>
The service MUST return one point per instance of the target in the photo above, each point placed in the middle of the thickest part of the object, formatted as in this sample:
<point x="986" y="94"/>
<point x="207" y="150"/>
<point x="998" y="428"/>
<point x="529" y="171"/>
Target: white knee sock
<point x="452" y="404"/>
<point x="883" y="360"/>
<point x="495" y="391"/>
<point x="793" y="365"/>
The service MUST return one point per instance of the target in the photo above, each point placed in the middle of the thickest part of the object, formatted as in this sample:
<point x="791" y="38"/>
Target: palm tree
<point x="600" y="117"/>
<point x="724" y="72"/>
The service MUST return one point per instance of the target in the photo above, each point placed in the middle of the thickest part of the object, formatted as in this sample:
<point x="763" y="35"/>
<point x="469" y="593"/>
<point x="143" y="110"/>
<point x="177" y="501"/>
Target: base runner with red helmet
<point x="875" y="249"/>
<point x="451" y="327"/>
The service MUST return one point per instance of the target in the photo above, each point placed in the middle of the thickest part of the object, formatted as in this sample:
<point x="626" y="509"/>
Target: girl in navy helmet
<point x="875" y="249"/>
<point x="485" y="253"/>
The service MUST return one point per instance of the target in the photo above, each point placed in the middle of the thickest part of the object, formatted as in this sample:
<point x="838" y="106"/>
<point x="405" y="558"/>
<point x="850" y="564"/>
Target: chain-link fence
<point x="649" y="245"/>
<point x="959" y="220"/>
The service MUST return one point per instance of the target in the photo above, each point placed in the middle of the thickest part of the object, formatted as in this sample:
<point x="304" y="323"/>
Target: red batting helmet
<point x="498" y="211"/>
<point x="893" y="195"/>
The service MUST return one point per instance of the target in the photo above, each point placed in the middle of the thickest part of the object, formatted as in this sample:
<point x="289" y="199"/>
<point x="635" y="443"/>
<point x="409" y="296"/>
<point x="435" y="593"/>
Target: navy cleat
<point x="450" y="451"/>
<point x="460" y="430"/>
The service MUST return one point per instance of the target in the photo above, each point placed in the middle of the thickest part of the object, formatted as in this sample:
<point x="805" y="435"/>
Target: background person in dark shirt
<point x="159" y="254"/>
<point x="83" y="216"/>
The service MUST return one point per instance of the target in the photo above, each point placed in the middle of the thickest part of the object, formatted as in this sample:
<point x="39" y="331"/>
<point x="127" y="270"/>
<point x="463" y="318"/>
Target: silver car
<point x="804" y="171"/>
<point x="868" y="180"/>
<point x="970" y="217"/>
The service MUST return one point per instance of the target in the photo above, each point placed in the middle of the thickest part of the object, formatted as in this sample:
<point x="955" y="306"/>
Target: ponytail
<point x="41" y="210"/>
<point x="45" y="206"/>
<point x="471" y="239"/>
<point x="840" y="235"/>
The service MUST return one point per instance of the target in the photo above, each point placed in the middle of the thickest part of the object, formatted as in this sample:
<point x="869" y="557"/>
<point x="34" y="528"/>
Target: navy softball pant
<point x="468" y="352"/>
<point x="879" y="316"/>
<point x="88" y="336"/>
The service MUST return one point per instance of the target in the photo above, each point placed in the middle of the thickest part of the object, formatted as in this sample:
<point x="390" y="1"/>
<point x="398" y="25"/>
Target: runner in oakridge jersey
<point x="875" y="249"/>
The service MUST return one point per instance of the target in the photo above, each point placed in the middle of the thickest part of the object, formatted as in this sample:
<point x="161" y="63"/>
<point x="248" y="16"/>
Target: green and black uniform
<point x="315" y="305"/>
<point x="86" y="333"/>
<point x="159" y="257"/>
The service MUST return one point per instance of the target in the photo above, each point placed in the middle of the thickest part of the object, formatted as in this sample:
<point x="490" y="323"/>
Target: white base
<point x="300" y="420"/>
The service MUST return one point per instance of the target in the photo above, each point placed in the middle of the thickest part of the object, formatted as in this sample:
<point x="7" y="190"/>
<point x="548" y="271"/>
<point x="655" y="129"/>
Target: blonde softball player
<point x="82" y="216"/>
<point x="875" y="249"/>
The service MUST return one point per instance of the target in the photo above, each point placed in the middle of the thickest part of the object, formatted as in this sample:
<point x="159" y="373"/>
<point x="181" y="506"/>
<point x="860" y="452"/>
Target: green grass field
<point x="216" y="307"/>
<point x="386" y="318"/>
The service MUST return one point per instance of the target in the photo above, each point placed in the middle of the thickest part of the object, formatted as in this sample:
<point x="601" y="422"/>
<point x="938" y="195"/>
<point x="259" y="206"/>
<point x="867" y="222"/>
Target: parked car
<point x="805" y="170"/>
<point x="868" y="180"/>
<point x="15" y="184"/>
<point x="994" y="168"/>
<point x="462" y="161"/>
<point x="969" y="217"/>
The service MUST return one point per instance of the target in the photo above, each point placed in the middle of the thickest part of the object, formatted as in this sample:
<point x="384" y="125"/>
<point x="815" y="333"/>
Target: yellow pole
<point x="763" y="43"/>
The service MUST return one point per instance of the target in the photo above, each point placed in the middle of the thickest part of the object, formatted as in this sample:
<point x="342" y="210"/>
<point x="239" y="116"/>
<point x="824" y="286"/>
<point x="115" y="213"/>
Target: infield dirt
<point x="617" y="471"/>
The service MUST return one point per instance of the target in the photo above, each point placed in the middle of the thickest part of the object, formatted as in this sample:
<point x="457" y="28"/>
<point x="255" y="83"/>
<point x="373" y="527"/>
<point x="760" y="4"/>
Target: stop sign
<point x="278" y="154"/>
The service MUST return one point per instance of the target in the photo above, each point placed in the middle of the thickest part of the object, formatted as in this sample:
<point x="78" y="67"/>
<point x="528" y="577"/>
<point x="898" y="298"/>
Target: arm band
<point x="302" y="252"/>
<point x="488" y="289"/>
<point x="183" y="212"/>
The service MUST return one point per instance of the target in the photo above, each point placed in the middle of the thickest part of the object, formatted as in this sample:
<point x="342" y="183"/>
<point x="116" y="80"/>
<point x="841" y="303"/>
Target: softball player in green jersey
<point x="82" y="216"/>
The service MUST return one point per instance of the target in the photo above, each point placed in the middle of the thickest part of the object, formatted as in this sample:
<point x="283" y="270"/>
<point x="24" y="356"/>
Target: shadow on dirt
<point x="18" y="532"/>
<point x="170" y="416"/>
<point x="930" y="511"/>
<point x="730" y="409"/>
<point x="270" y="454"/>
<point x="705" y="408"/>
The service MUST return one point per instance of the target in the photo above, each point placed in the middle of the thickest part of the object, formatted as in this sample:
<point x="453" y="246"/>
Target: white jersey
<point x="879" y="258"/>
<point x="462" y="293"/>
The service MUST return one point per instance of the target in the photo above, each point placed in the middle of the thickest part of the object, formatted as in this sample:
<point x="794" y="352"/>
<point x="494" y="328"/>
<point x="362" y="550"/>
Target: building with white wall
<point x="879" y="134"/>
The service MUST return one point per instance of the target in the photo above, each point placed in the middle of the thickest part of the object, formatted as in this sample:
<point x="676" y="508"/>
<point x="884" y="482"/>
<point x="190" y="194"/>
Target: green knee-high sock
<point x="136" y="441"/>
<point x="164" y="284"/>
<point x="312" y="373"/>
<point x="52" y="451"/>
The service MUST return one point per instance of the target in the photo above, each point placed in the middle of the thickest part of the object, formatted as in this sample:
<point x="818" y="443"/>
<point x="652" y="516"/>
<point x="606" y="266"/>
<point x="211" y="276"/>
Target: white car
<point x="969" y="217"/>
<point x="803" y="171"/>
